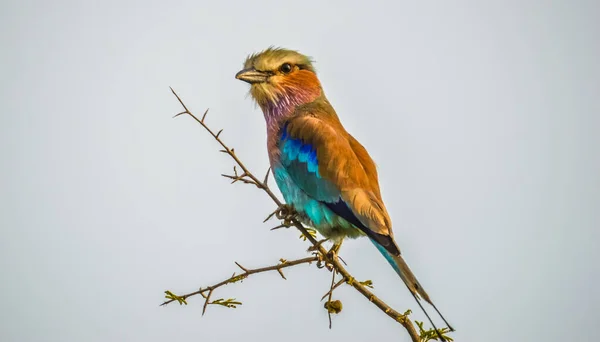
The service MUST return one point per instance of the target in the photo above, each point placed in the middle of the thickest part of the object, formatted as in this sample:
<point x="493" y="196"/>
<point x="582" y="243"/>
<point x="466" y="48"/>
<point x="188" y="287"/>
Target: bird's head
<point x="280" y="78"/>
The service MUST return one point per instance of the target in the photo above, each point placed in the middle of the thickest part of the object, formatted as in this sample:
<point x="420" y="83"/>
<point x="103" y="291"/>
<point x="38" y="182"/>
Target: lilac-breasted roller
<point x="325" y="174"/>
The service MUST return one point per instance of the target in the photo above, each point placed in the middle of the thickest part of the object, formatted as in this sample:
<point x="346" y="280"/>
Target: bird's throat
<point x="286" y="103"/>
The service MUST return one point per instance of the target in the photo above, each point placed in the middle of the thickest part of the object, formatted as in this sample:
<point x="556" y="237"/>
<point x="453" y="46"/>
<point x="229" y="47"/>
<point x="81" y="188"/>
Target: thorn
<point x="267" y="177"/>
<point x="281" y="273"/>
<point x="206" y="302"/>
<point x="239" y="178"/>
<point x="229" y="176"/>
<point x="181" y="113"/>
<point x="217" y="136"/>
<point x="240" y="266"/>
<point x="340" y="282"/>
<point x="280" y="226"/>
<point x="271" y="215"/>
<point x="224" y="151"/>
<point x="204" y="116"/>
<point x="232" y="151"/>
<point x="317" y="245"/>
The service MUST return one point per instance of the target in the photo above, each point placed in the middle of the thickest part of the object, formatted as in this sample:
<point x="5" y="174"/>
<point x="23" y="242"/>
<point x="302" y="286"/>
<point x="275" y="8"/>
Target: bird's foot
<point x="325" y="260"/>
<point x="332" y="254"/>
<point x="335" y="249"/>
<point x="322" y="258"/>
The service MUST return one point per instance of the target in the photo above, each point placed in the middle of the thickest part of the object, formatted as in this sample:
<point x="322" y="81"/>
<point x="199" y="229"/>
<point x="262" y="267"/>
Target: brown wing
<point x="345" y="163"/>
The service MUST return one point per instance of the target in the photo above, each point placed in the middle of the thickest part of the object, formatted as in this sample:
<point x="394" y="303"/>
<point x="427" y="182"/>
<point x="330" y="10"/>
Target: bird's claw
<point x="285" y="212"/>
<point x="335" y="249"/>
<point x="332" y="254"/>
<point x="324" y="260"/>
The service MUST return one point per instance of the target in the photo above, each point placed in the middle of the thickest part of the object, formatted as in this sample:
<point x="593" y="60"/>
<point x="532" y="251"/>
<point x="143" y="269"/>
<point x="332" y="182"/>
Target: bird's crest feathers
<point x="272" y="58"/>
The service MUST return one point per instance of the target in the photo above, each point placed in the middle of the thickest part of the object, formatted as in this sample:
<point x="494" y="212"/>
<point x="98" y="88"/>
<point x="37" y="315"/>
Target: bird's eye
<point x="285" y="68"/>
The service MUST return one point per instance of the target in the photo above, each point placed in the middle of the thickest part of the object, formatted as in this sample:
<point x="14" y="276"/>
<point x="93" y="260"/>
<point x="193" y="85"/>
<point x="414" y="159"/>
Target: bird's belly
<point x="312" y="212"/>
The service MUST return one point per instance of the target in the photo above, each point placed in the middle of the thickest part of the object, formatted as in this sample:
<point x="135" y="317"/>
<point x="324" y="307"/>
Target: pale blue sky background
<point x="483" y="118"/>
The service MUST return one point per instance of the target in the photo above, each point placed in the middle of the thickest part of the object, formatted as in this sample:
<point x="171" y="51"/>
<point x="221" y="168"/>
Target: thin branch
<point x="330" y="294"/>
<point x="226" y="149"/>
<point x="235" y="278"/>
<point x="333" y="288"/>
<point x="322" y="253"/>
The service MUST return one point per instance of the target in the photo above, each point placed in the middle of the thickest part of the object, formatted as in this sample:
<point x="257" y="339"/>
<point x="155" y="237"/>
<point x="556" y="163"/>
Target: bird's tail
<point x="401" y="267"/>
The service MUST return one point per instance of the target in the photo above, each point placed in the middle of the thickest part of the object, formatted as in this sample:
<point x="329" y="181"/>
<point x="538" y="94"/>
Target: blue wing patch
<point x="301" y="163"/>
<point x="303" y="186"/>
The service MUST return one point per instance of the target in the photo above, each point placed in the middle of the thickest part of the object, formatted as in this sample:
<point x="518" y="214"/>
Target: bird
<point x="322" y="171"/>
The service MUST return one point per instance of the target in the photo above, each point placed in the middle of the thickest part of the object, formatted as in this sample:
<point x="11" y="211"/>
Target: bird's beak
<point x="252" y="75"/>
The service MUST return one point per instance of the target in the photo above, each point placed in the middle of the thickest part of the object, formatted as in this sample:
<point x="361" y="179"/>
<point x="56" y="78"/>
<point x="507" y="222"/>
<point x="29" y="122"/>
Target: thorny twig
<point x="249" y="178"/>
<point x="233" y="279"/>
